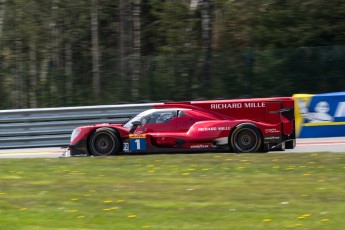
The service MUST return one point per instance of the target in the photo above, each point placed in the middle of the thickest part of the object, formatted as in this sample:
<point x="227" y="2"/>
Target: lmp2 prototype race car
<point x="240" y="126"/>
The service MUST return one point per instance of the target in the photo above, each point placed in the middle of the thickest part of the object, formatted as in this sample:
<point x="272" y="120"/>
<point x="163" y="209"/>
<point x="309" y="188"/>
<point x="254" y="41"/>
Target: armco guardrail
<point x="52" y="127"/>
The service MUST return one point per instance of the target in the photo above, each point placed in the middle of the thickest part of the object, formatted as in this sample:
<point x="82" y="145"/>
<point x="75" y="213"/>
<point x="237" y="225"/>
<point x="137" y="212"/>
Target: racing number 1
<point x="137" y="143"/>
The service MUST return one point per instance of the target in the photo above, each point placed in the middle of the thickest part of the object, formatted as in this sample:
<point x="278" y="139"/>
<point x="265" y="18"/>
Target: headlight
<point x="75" y="133"/>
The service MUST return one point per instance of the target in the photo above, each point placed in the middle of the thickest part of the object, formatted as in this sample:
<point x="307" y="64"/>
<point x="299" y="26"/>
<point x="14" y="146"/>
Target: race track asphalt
<point x="334" y="144"/>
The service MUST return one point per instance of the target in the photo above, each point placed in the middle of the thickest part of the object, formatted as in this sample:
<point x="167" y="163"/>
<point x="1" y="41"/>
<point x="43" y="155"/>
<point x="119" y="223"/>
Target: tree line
<point x="67" y="53"/>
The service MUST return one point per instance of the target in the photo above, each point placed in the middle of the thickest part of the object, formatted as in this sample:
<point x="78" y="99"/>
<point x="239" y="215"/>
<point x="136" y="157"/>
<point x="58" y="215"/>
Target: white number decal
<point x="137" y="141"/>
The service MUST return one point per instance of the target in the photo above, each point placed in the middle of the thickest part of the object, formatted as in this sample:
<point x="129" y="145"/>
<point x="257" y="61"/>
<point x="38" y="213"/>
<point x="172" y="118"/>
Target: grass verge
<point x="176" y="191"/>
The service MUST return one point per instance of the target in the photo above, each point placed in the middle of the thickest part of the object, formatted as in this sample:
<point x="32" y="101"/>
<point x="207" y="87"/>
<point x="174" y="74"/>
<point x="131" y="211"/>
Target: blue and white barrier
<point x="321" y="115"/>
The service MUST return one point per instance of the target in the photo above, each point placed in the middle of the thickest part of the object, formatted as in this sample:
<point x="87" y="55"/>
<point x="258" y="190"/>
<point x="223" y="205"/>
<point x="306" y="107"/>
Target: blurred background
<point x="69" y="53"/>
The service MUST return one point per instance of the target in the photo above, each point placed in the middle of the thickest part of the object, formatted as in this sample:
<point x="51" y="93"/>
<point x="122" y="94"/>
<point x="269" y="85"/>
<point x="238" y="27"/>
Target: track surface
<point x="335" y="144"/>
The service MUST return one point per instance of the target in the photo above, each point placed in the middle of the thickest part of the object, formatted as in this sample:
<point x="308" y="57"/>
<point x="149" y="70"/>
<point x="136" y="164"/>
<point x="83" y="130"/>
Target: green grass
<point x="176" y="191"/>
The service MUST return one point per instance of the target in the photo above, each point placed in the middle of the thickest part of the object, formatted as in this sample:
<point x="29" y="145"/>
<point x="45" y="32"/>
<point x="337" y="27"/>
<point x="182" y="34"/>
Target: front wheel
<point x="246" y="138"/>
<point x="104" y="142"/>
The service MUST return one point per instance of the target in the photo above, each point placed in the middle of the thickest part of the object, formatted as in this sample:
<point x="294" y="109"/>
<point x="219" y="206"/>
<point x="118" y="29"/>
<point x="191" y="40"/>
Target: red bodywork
<point x="241" y="125"/>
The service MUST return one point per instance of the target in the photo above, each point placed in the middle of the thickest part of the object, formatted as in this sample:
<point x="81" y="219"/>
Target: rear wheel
<point x="104" y="142"/>
<point x="246" y="138"/>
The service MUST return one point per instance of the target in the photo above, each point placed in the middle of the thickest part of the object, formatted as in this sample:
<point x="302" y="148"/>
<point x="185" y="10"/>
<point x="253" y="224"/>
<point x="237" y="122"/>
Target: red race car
<point x="241" y="125"/>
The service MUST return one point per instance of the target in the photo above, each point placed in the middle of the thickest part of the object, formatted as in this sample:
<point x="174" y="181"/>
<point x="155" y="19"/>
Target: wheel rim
<point x="246" y="140"/>
<point x="103" y="144"/>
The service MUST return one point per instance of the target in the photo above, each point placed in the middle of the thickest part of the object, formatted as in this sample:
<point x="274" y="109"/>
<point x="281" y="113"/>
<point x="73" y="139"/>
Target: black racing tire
<point x="290" y="144"/>
<point x="246" y="138"/>
<point x="104" y="142"/>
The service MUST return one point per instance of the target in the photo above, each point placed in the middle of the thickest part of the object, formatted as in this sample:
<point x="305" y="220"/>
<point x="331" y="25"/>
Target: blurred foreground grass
<point x="176" y="191"/>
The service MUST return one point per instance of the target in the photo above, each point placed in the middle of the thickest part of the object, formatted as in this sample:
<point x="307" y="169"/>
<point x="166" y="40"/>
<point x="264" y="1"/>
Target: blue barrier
<point x="321" y="115"/>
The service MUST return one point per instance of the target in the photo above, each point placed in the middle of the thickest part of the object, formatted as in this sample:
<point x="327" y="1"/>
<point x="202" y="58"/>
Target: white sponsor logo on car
<point x="238" y="105"/>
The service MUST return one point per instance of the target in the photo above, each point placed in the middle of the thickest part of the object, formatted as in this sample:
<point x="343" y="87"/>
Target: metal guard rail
<point x="52" y="127"/>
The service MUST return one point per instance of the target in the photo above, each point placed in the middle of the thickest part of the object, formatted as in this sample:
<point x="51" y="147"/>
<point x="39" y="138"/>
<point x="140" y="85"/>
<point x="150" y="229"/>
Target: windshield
<point x="138" y="117"/>
<point x="152" y="116"/>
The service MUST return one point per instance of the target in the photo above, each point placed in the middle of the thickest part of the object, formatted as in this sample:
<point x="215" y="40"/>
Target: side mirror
<point x="136" y="123"/>
<point x="135" y="126"/>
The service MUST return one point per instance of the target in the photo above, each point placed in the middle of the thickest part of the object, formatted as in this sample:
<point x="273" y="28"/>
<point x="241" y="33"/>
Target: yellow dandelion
<point x="132" y="216"/>
<point x="72" y="210"/>
<point x="151" y="171"/>
<point x="306" y="174"/>
<point x="267" y="220"/>
<point x="185" y="174"/>
<point x="114" y="208"/>
<point x="87" y="195"/>
<point x="107" y="201"/>
<point x="120" y="201"/>
<point x="80" y="217"/>
<point x="304" y="216"/>
<point x="241" y="167"/>
<point x="106" y="209"/>
<point x="191" y="169"/>
<point x="23" y="209"/>
<point x="150" y="166"/>
<point x="2" y="193"/>
<point x="276" y="167"/>
<point x="146" y="226"/>
<point x="325" y="219"/>
<point x="74" y="199"/>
